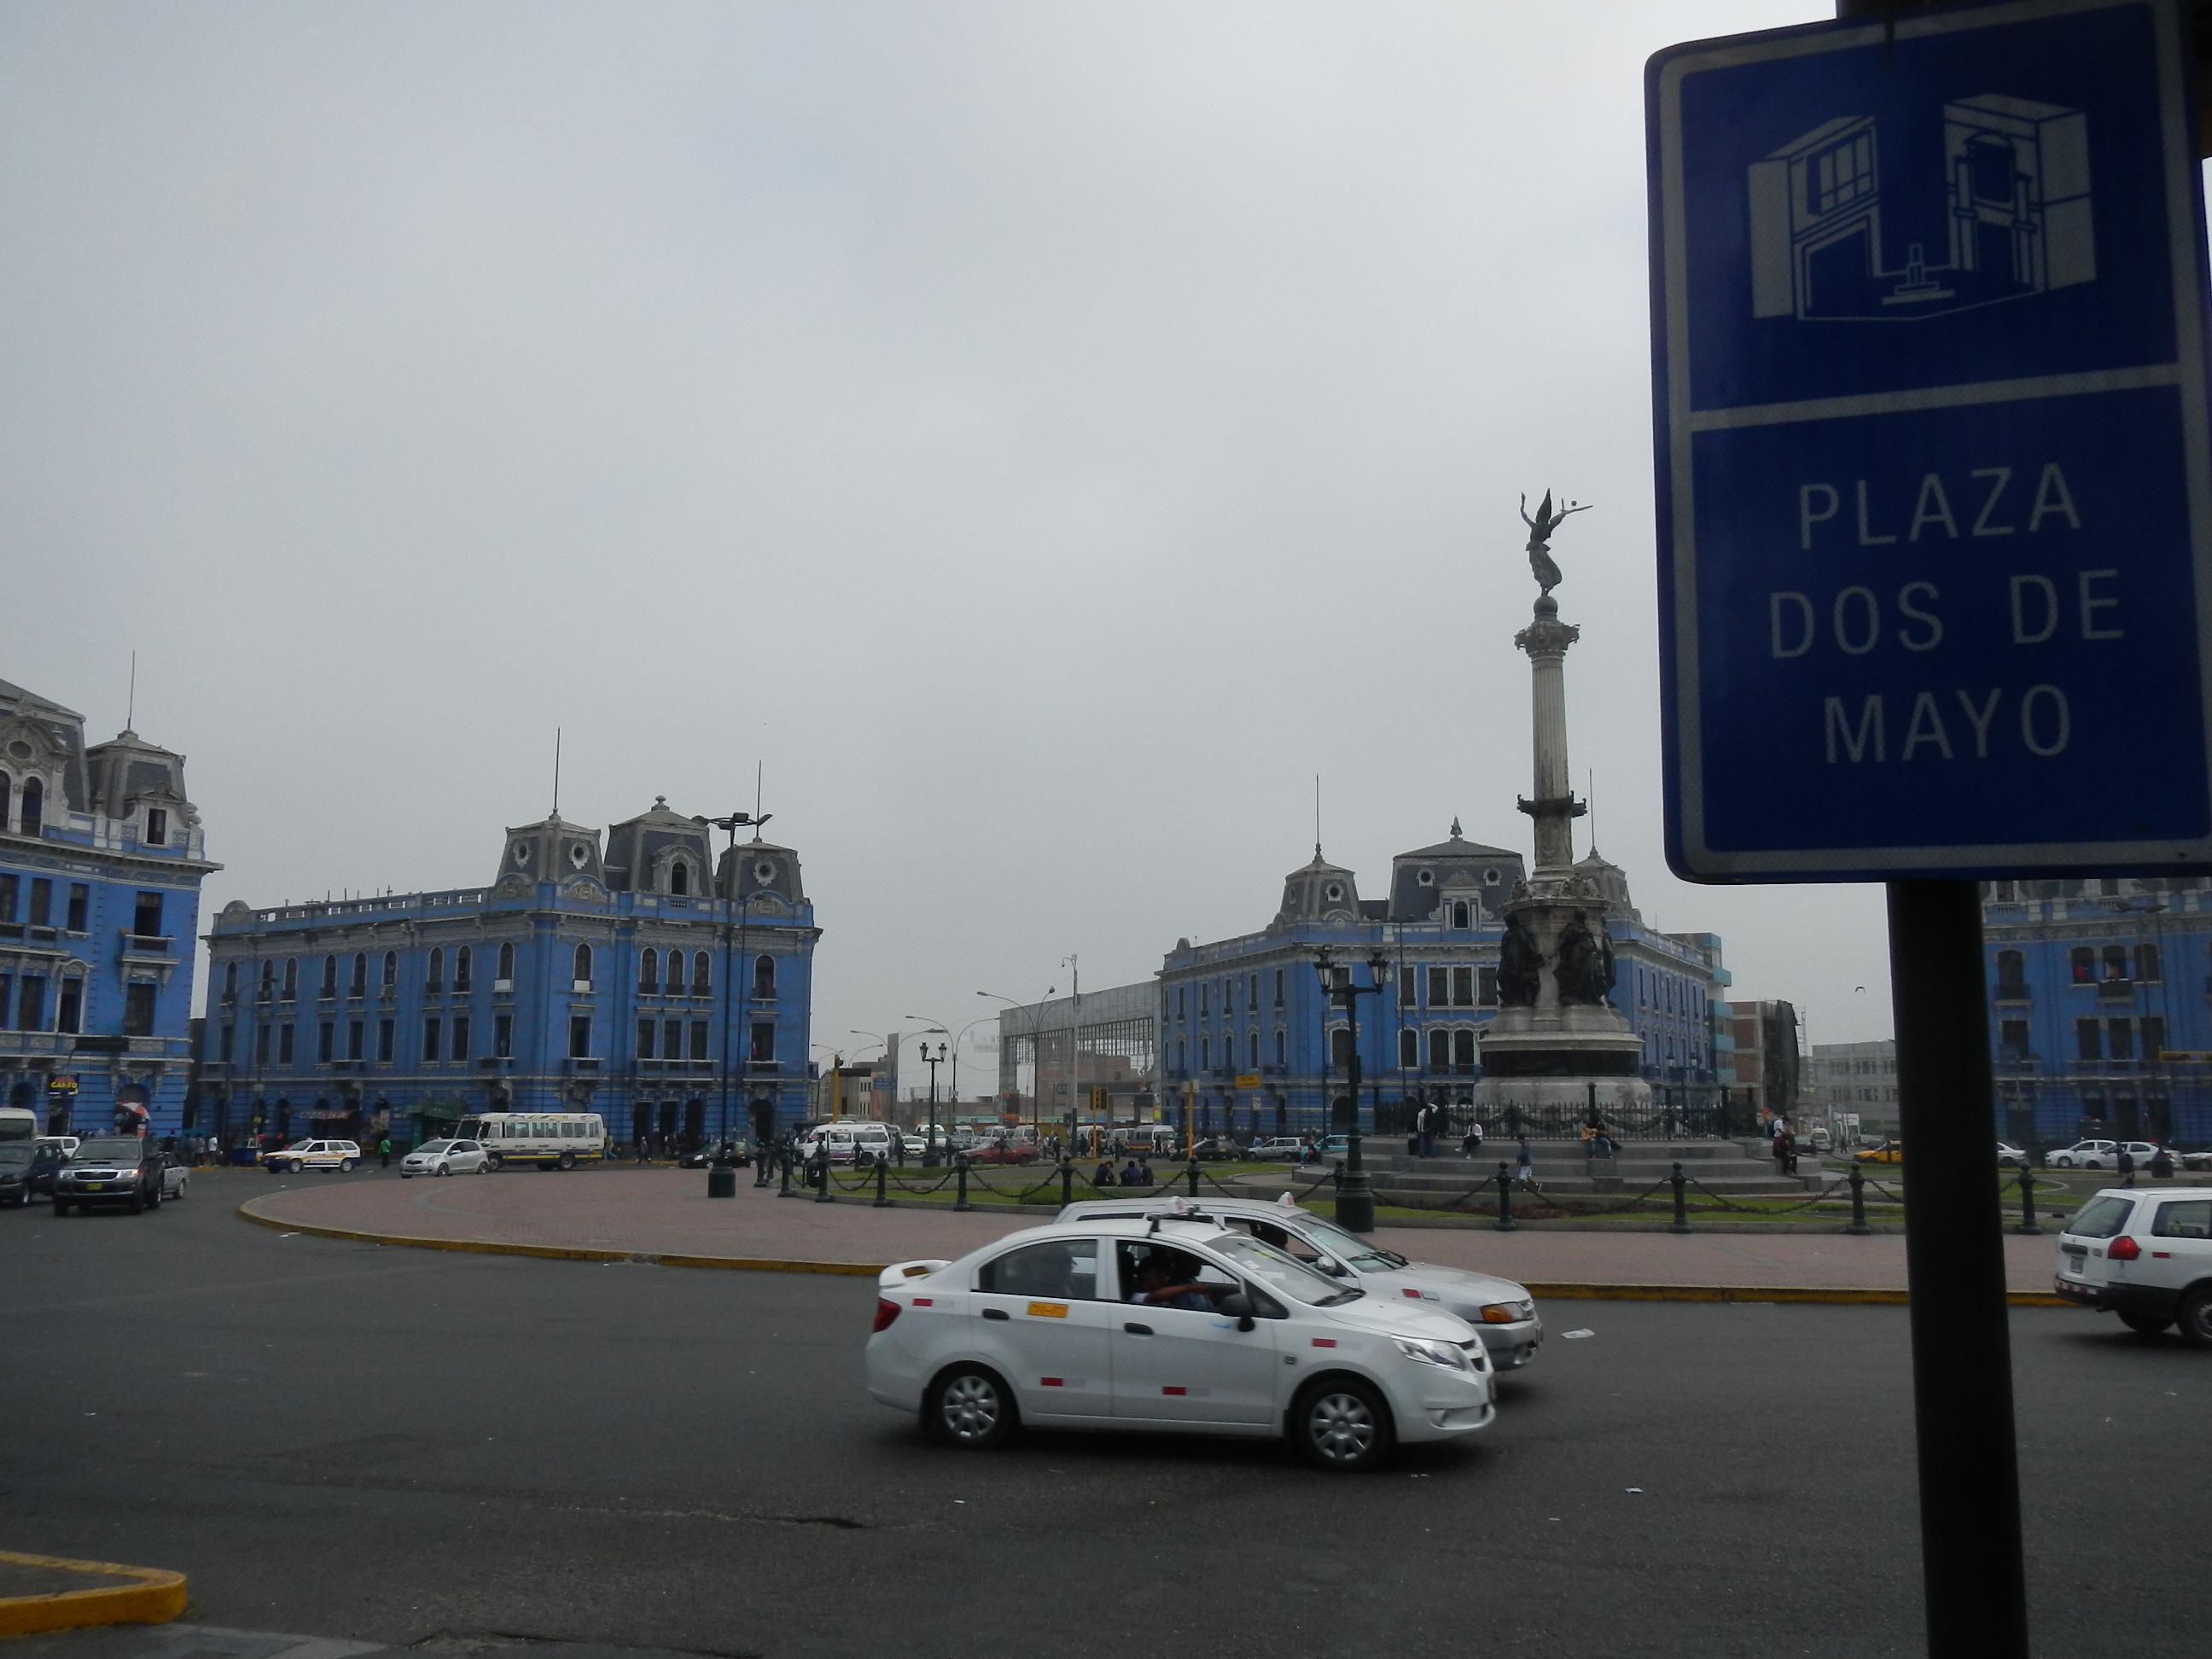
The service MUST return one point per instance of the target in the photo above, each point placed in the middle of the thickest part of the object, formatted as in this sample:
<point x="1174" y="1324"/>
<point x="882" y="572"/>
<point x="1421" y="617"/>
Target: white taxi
<point x="1502" y="1311"/>
<point x="1172" y="1324"/>
<point x="343" y="1155"/>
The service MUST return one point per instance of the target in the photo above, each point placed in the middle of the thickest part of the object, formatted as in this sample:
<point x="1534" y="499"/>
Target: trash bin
<point x="722" y="1181"/>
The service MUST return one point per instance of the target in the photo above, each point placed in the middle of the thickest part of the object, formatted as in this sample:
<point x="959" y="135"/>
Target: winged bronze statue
<point x="1540" y="531"/>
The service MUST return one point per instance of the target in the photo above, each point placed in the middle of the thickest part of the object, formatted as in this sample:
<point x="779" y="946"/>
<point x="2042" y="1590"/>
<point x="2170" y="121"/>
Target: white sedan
<point x="444" y="1157"/>
<point x="1170" y="1324"/>
<point x="1502" y="1312"/>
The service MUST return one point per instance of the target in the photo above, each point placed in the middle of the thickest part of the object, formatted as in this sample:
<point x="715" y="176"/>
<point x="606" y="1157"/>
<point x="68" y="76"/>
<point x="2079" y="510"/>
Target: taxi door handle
<point x="1135" y="1329"/>
<point x="994" y="1313"/>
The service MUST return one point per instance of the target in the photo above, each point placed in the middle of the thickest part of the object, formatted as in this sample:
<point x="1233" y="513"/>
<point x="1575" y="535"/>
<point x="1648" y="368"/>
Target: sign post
<point x="1934" y="522"/>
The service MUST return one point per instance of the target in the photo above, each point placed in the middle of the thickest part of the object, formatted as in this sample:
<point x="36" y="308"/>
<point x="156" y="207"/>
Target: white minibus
<point x="551" y="1140"/>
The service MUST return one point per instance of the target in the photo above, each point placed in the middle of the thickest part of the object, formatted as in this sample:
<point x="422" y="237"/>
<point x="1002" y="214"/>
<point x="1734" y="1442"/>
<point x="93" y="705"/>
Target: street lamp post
<point x="1355" y="1199"/>
<point x="929" y="1146"/>
<point x="733" y="823"/>
<point x="929" y="1156"/>
<point x="1038" y="1066"/>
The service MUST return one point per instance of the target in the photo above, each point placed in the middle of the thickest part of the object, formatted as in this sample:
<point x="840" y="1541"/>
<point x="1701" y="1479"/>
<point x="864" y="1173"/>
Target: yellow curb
<point x="153" y="1597"/>
<point x="761" y="1264"/>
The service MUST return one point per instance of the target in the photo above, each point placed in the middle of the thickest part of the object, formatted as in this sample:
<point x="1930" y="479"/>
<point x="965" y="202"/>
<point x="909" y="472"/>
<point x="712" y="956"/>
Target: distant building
<point x="1248" y="1039"/>
<point x="102" y="858"/>
<point x="1857" y="1077"/>
<point x="645" y="981"/>
<point x="2098" y="1013"/>
<point x="1769" y="1074"/>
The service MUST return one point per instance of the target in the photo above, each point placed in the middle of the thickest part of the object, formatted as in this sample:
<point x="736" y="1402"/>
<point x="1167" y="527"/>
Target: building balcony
<point x="2115" y="990"/>
<point x="582" y="987"/>
<point x="347" y="1064"/>
<point x="497" y="1062"/>
<point x="759" y="1063"/>
<point x="583" y="1064"/>
<point x="502" y="987"/>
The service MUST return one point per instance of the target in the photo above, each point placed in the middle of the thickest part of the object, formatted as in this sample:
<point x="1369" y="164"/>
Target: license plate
<point x="96" y="1186"/>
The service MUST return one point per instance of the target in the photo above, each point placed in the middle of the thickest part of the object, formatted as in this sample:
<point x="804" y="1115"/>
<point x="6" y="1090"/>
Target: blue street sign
<point x="1934" y="508"/>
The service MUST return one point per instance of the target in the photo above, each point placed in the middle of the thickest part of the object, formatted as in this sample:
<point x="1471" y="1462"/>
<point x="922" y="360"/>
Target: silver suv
<point x="2145" y="1255"/>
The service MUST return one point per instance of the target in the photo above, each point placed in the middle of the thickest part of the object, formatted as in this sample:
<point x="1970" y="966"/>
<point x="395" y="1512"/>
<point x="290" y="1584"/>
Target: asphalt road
<point x="428" y="1449"/>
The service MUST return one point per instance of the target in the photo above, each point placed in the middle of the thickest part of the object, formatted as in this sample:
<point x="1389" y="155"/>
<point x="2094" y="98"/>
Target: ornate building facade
<point x="2100" y="1007"/>
<point x="102" y="858"/>
<point x="1247" y="1037"/>
<point x="642" y="979"/>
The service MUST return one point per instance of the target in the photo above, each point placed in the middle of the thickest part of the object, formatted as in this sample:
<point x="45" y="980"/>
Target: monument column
<point x="1554" y="809"/>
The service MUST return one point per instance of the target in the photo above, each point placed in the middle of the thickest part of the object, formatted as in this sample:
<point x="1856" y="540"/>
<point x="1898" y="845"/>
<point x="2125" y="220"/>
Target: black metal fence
<point x="1660" y="1122"/>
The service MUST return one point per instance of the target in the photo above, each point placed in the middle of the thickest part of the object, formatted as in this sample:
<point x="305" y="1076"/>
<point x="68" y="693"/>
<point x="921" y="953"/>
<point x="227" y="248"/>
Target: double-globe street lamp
<point x="930" y="1148"/>
<point x="1355" y="1199"/>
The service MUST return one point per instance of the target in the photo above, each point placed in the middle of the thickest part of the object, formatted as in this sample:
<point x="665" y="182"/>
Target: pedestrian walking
<point x="1524" y="1171"/>
<point x="384" y="1151"/>
<point x="2127" y="1165"/>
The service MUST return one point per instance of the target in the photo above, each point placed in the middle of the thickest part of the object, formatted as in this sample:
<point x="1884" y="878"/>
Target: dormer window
<point x="679" y="878"/>
<point x="1334" y="892"/>
<point x="35" y="807"/>
<point x="157" y="826"/>
<point x="1462" y="917"/>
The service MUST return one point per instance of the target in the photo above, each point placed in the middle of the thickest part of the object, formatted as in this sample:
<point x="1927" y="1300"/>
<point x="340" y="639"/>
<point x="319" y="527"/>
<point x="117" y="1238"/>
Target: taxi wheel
<point x="2143" y="1324"/>
<point x="345" y="1166"/>
<point x="2196" y="1317"/>
<point x="971" y="1405"/>
<point x="1342" y="1423"/>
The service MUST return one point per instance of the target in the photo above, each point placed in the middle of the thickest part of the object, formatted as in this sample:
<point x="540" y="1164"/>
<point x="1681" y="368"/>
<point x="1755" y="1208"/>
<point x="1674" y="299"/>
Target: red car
<point x="1003" y="1152"/>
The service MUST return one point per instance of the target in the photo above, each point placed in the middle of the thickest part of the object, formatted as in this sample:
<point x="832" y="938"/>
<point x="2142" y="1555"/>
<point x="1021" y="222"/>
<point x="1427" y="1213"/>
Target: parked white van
<point x="851" y="1142"/>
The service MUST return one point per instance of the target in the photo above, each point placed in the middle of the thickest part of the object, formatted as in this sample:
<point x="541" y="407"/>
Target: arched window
<point x="360" y="972"/>
<point x="1409" y="1049"/>
<point x="268" y="980"/>
<point x="649" y="971"/>
<point x="679" y="877"/>
<point x="1459" y="913"/>
<point x="1463" y="1048"/>
<point x="2116" y="962"/>
<point x="1252" y="1050"/>
<point x="1340" y="1046"/>
<point x="507" y="964"/>
<point x="291" y="977"/>
<point x="763" y="979"/>
<point x="1282" y="1047"/>
<point x="699" y="981"/>
<point x="7" y="795"/>
<point x="329" y="977"/>
<point x="2083" y="963"/>
<point x="230" y="982"/>
<point x="1205" y="1053"/>
<point x="2010" y="965"/>
<point x="391" y="970"/>
<point x="583" y="964"/>
<point x="437" y="970"/>
<point x="1440" y="1051"/>
<point x="461" y="963"/>
<point x="34" y="806"/>
<point x="2147" y="963"/>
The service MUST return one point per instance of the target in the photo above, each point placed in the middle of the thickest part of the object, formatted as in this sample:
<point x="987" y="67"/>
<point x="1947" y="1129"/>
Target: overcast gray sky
<point x="1045" y="435"/>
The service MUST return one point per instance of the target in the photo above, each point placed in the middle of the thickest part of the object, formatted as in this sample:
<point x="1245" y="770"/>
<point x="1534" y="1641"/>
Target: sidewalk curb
<point x="1565" y="1292"/>
<point x="155" y="1596"/>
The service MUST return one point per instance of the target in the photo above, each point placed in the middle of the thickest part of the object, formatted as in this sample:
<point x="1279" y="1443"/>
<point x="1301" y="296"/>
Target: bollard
<point x="960" y="1168"/>
<point x="1192" y="1173"/>
<point x="721" y="1180"/>
<point x="1681" y="1208"/>
<point x="1066" y="1182"/>
<point x="1858" y="1202"/>
<point x="1505" y="1200"/>
<point x="883" y="1174"/>
<point x="822" y="1177"/>
<point x="2028" y="1203"/>
<point x="785" y="1190"/>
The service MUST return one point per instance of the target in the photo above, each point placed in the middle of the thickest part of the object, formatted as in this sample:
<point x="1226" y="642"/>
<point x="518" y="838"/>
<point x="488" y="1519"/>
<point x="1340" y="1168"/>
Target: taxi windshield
<point x="1348" y="1247"/>
<point x="1279" y="1272"/>
<point x="92" y="1150"/>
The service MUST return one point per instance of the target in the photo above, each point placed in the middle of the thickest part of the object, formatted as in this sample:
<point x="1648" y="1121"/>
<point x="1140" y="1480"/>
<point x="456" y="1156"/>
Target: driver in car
<point x="1162" y="1284"/>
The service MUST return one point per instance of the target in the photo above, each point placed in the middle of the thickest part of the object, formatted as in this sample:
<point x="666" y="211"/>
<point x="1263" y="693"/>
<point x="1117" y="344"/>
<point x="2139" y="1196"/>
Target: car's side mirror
<point x="1238" y="1306"/>
<point x="1330" y="1266"/>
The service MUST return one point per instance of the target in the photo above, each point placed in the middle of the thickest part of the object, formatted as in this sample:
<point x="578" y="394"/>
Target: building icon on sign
<point x="2017" y="194"/>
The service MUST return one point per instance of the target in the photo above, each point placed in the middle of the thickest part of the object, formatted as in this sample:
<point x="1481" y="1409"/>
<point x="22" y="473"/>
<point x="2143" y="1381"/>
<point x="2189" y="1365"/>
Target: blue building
<point x="1246" y="1039"/>
<point x="643" y="980"/>
<point x="101" y="864"/>
<point x="2099" y="1016"/>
